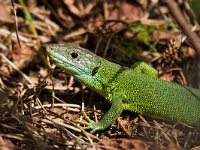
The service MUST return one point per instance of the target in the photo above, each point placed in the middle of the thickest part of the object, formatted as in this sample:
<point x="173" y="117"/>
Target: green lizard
<point x="135" y="89"/>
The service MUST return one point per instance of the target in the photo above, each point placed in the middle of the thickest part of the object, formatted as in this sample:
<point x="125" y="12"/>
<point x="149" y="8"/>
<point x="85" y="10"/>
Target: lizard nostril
<point x="74" y="55"/>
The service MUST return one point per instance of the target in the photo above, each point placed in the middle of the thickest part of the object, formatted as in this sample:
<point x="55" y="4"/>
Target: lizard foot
<point x="90" y="124"/>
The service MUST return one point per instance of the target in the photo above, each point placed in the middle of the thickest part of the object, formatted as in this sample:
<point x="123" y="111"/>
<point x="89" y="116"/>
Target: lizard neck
<point x="102" y="75"/>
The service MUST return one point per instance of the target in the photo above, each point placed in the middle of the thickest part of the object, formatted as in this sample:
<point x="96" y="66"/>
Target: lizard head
<point x="73" y="59"/>
<point x="79" y="62"/>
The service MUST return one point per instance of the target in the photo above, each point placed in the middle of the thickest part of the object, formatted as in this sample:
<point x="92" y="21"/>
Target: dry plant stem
<point x="16" y="23"/>
<point x="12" y="36"/>
<point x="51" y="121"/>
<point x="68" y="106"/>
<point x="68" y="133"/>
<point x="45" y="135"/>
<point x="176" y="13"/>
<point x="159" y="127"/>
<point x="192" y="38"/>
<point x="144" y="121"/>
<point x="18" y="136"/>
<point x="88" y="137"/>
<point x="64" y="129"/>
<point x="26" y="129"/>
<point x="29" y="19"/>
<point x="123" y="128"/>
<point x="187" y="140"/>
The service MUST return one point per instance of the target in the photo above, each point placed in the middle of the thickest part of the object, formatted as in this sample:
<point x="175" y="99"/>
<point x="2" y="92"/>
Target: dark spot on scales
<point x="95" y="70"/>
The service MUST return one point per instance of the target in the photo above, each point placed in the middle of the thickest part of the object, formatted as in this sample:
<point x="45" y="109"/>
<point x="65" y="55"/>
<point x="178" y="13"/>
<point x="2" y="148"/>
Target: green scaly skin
<point x="135" y="89"/>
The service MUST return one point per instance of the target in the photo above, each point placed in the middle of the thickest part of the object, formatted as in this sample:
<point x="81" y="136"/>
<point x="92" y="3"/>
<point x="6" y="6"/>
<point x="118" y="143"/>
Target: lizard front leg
<point x="111" y="115"/>
<point x="145" y="68"/>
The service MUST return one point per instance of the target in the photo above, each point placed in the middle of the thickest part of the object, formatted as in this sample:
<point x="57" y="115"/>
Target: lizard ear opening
<point x="95" y="70"/>
<point x="74" y="55"/>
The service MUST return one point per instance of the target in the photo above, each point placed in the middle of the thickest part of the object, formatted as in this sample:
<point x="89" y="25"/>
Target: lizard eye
<point x="74" y="55"/>
<point x="95" y="70"/>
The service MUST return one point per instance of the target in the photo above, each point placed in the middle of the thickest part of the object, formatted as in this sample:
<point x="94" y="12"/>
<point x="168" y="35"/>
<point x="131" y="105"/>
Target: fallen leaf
<point x="6" y="144"/>
<point x="167" y="77"/>
<point x="5" y="16"/>
<point x="135" y="144"/>
<point x="22" y="57"/>
<point x="128" y="12"/>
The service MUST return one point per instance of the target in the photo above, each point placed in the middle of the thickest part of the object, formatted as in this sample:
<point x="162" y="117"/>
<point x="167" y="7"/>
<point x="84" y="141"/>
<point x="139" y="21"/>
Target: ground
<point x="38" y="104"/>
